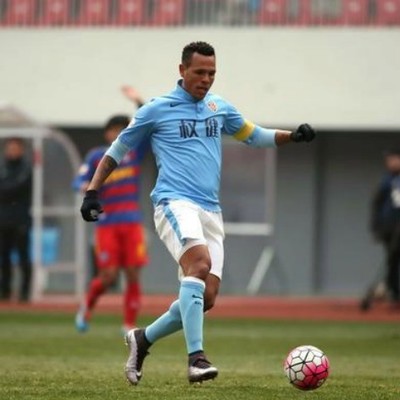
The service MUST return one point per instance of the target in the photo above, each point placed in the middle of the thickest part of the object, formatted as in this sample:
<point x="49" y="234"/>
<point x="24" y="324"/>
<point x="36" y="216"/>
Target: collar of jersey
<point x="183" y="94"/>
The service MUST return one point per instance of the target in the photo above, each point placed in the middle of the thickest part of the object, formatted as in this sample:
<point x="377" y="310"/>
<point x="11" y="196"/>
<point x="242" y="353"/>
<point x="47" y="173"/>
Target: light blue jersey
<point x="185" y="136"/>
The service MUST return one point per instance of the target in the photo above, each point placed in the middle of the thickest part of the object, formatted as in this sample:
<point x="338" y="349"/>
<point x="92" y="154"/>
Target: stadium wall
<point x="322" y="244"/>
<point x="343" y="81"/>
<point x="337" y="78"/>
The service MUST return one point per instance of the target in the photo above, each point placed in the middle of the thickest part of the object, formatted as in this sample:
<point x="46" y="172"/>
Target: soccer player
<point x="119" y="235"/>
<point x="185" y="128"/>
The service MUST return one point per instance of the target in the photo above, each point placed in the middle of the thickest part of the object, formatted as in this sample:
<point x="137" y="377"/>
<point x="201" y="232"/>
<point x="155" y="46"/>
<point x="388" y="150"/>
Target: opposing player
<point x="119" y="234"/>
<point x="185" y="128"/>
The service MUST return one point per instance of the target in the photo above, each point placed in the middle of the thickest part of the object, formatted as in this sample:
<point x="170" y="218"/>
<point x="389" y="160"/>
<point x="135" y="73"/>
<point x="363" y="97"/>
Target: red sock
<point x="96" y="289"/>
<point x="131" y="303"/>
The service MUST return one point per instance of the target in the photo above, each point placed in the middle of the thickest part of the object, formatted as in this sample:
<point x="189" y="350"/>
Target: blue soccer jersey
<point x="185" y="136"/>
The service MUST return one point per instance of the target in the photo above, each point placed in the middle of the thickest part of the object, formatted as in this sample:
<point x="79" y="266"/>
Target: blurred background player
<point x="15" y="218"/>
<point x="119" y="234"/>
<point x="385" y="226"/>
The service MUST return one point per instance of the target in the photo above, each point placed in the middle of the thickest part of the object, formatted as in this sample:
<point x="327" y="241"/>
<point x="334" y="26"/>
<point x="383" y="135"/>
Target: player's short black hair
<point x="15" y="139"/>
<point x="202" y="48"/>
<point x="117" y="120"/>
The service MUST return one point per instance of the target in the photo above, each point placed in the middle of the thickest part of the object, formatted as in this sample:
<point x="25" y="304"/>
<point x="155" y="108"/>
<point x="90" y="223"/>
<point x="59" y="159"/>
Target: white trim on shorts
<point x="182" y="225"/>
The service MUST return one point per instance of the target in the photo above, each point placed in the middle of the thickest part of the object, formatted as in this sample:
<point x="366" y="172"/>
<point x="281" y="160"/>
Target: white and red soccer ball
<point x="306" y="367"/>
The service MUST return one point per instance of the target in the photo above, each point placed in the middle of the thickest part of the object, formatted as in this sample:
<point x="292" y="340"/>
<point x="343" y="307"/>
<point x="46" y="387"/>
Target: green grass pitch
<point x="42" y="357"/>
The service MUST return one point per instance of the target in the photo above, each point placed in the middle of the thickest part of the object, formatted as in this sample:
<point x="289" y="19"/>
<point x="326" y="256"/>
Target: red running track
<point x="278" y="308"/>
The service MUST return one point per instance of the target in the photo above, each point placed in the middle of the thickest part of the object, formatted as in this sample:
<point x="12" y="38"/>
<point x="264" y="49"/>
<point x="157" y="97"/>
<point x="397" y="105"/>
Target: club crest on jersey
<point x="212" y="105"/>
<point x="83" y="169"/>
<point x="104" y="256"/>
<point x="129" y="157"/>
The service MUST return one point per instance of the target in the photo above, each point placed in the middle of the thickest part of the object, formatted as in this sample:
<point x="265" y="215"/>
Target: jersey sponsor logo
<point x="187" y="129"/>
<point x="212" y="127"/>
<point x="212" y="105"/>
<point x="192" y="128"/>
<point x="104" y="256"/>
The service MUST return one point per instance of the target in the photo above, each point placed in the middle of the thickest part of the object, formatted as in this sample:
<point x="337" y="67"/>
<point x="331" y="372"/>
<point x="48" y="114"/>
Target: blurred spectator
<point x="15" y="218"/>
<point x="237" y="12"/>
<point x="385" y="225"/>
<point x="203" y="12"/>
<point x="119" y="234"/>
<point x="372" y="6"/>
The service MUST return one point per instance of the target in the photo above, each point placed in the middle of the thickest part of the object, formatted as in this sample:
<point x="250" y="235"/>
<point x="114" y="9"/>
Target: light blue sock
<point x="166" y="324"/>
<point x="191" y="302"/>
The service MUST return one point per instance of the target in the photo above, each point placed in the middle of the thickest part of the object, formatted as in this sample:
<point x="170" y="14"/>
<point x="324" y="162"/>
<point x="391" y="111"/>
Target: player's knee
<point x="200" y="268"/>
<point x="108" y="278"/>
<point x="132" y="274"/>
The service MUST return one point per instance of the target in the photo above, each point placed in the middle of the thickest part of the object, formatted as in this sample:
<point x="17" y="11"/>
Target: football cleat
<point x="125" y="329"/>
<point x="136" y="342"/>
<point x="81" y="321"/>
<point x="201" y="370"/>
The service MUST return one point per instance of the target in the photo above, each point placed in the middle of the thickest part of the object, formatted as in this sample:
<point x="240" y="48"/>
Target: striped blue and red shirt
<point x="119" y="194"/>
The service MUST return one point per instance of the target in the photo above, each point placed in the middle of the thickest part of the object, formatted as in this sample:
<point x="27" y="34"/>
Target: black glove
<point x="304" y="133"/>
<point x="91" y="207"/>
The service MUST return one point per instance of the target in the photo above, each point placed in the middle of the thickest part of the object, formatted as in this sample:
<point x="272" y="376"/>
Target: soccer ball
<point x="306" y="367"/>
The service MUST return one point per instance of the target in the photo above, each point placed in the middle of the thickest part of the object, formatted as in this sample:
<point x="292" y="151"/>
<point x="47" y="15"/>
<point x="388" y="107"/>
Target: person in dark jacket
<point x="15" y="218"/>
<point x="385" y="225"/>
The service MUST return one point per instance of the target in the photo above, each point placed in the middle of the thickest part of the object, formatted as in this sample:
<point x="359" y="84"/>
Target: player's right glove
<point x="304" y="133"/>
<point x="91" y="207"/>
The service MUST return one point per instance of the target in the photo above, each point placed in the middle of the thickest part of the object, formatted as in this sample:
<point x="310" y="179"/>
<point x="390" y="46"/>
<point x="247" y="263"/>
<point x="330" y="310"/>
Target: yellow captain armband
<point x="245" y="131"/>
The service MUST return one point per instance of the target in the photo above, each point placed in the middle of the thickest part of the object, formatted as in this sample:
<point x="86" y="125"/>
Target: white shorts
<point x="182" y="224"/>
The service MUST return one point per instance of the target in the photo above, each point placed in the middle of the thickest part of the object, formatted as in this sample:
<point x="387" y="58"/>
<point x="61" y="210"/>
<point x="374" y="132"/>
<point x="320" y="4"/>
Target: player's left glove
<point x="91" y="207"/>
<point x="304" y="133"/>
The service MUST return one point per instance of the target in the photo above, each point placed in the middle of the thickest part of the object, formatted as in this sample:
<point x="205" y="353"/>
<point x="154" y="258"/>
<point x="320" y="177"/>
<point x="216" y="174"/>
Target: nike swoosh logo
<point x="197" y="297"/>
<point x="173" y="104"/>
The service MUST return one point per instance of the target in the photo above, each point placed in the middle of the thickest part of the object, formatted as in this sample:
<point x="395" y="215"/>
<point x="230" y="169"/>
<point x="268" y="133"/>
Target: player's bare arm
<point x="304" y="133"/>
<point x="282" y="137"/>
<point x="106" y="165"/>
<point x="257" y="136"/>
